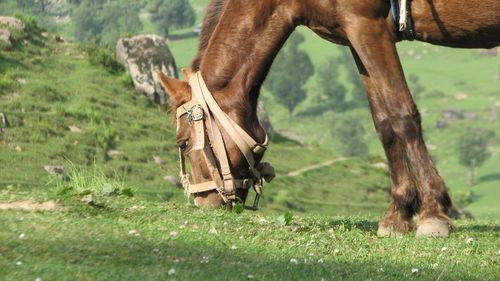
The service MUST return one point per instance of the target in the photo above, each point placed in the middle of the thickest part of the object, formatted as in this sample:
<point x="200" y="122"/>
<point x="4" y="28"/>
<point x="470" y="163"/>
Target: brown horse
<point x="240" y="39"/>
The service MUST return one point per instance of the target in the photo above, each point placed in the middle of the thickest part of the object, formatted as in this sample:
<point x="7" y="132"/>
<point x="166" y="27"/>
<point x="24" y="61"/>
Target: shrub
<point x="103" y="56"/>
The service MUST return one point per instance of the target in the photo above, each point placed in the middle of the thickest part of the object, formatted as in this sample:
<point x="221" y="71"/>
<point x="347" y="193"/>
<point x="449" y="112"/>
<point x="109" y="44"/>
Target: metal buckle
<point x="259" y="148"/>
<point x="196" y="113"/>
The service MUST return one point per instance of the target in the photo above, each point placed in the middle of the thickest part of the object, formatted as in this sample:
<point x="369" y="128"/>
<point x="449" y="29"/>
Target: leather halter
<point x="207" y="120"/>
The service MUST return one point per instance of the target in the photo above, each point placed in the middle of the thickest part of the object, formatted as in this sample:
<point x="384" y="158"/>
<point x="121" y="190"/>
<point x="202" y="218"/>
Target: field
<point x="116" y="217"/>
<point x="131" y="239"/>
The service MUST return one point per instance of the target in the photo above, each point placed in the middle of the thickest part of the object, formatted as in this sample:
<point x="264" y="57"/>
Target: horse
<point x="239" y="41"/>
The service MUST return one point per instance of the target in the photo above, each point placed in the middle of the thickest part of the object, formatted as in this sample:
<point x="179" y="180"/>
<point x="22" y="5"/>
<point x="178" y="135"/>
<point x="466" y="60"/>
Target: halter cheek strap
<point x="207" y="121"/>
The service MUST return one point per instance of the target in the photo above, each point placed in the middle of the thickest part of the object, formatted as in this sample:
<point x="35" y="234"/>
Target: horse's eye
<point x="183" y="145"/>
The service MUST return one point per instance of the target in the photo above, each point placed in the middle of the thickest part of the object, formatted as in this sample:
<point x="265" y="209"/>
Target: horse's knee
<point x="407" y="127"/>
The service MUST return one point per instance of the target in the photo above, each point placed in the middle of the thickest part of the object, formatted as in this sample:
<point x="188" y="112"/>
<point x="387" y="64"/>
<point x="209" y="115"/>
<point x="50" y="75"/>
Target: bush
<point x="103" y="56"/>
<point x="30" y="21"/>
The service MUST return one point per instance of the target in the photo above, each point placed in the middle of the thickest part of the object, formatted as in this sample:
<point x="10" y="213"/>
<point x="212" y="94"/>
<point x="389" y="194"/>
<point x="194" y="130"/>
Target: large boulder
<point x="141" y="56"/>
<point x="450" y="116"/>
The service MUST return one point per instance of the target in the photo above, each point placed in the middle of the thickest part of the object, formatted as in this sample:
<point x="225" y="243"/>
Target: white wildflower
<point x="381" y="269"/>
<point x="134" y="232"/>
<point x="336" y="251"/>
<point x="134" y="207"/>
<point x="459" y="262"/>
<point x="250" y="276"/>
<point x="320" y="261"/>
<point x="205" y="259"/>
<point x="311" y="254"/>
<point x="241" y="237"/>
<point x="22" y="235"/>
<point x="212" y="231"/>
<point x="171" y="271"/>
<point x="444" y="249"/>
<point x="434" y="265"/>
<point x="19" y="263"/>
<point x="469" y="240"/>
<point x="234" y="247"/>
<point x="414" y="270"/>
<point x="173" y="233"/>
<point x="38" y="279"/>
<point x="225" y="223"/>
<point x="294" y="261"/>
<point x="182" y="226"/>
<point x="330" y="231"/>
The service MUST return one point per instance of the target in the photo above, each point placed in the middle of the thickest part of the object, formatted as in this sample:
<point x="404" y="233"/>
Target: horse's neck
<point x="240" y="53"/>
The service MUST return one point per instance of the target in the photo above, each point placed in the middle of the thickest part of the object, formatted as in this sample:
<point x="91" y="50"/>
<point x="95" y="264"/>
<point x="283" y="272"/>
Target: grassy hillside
<point x="131" y="239"/>
<point x="75" y="93"/>
<point x="52" y="88"/>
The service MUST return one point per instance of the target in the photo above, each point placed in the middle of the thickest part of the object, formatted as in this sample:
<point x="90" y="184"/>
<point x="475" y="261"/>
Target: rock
<point x="449" y="116"/>
<point x="490" y="52"/>
<point x="4" y="119"/>
<point x="461" y="96"/>
<point x="55" y="170"/>
<point x="22" y="81"/>
<point x="12" y="23"/>
<point x="141" y="56"/>
<point x="381" y="165"/>
<point x="75" y="129"/>
<point x="158" y="160"/>
<point x="264" y="119"/>
<point x="173" y="180"/>
<point x="5" y="37"/>
<point x="113" y="153"/>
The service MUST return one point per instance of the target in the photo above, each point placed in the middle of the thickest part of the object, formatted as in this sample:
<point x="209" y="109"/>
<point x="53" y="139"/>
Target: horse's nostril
<point x="209" y="199"/>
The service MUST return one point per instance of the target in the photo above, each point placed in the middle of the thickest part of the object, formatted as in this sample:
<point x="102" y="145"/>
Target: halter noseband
<point x="206" y="119"/>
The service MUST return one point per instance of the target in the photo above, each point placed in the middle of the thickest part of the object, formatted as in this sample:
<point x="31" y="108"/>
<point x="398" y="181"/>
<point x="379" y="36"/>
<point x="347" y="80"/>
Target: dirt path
<point x="312" y="167"/>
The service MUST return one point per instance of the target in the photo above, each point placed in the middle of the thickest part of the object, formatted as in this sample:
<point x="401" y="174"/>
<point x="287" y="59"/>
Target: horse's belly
<point x="458" y="23"/>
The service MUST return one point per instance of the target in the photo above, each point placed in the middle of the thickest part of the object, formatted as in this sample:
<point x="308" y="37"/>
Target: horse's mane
<point x="212" y="15"/>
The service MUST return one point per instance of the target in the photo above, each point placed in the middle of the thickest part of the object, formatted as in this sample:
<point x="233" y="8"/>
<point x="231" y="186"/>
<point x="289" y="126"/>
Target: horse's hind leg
<point x="398" y="218"/>
<point x="398" y="124"/>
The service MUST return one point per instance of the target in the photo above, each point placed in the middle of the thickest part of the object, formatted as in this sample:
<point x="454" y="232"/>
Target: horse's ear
<point x="176" y="89"/>
<point x="187" y="72"/>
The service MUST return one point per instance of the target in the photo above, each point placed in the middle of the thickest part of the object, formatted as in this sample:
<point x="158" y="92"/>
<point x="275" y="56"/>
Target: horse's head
<point x="223" y="157"/>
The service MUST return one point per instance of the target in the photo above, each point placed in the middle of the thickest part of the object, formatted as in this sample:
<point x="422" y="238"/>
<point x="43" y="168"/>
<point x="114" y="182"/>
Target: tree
<point x="289" y="73"/>
<point x="333" y="93"/>
<point x="119" y="18"/>
<point x="87" y="21"/>
<point x="358" y="94"/>
<point x="473" y="150"/>
<point x="108" y="19"/>
<point x="167" y="14"/>
<point x="349" y="130"/>
<point x="415" y="87"/>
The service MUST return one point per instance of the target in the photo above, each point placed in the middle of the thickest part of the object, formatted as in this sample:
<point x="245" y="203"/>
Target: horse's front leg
<point x="398" y="218"/>
<point x="416" y="184"/>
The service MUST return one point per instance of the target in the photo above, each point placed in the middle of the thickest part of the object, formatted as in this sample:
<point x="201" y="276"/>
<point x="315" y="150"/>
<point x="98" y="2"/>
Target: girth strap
<point x="401" y="13"/>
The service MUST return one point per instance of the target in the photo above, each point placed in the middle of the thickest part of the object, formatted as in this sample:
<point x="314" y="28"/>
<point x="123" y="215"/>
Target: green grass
<point x="131" y="239"/>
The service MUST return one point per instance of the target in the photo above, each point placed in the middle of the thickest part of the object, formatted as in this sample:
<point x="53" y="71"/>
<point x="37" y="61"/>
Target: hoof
<point x="384" y="231"/>
<point x="433" y="228"/>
